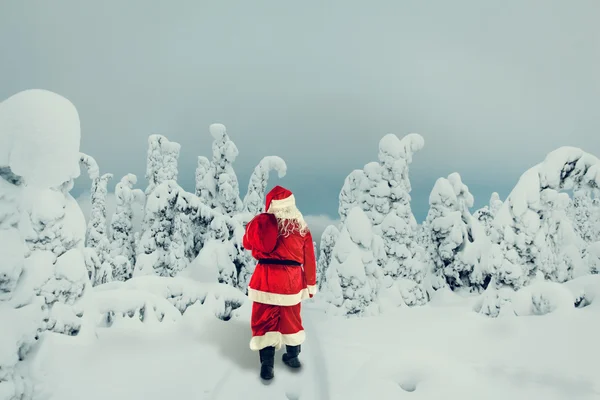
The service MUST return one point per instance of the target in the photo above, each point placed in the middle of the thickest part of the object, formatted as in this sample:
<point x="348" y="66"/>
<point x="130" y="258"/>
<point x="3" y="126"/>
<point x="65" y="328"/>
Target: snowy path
<point x="426" y="353"/>
<point x="308" y="383"/>
<point x="203" y="358"/>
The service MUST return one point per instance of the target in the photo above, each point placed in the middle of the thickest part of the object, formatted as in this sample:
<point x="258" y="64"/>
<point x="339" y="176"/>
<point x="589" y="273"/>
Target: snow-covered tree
<point x="398" y="228"/>
<point x="254" y="201"/>
<point x="556" y="244"/>
<point x="98" y="272"/>
<point x="352" y="193"/>
<point x="161" y="162"/>
<point x="382" y="191"/>
<point x="205" y="183"/>
<point x="584" y="212"/>
<point x="328" y="241"/>
<point x="224" y="154"/>
<point x="486" y="214"/>
<point x="456" y="244"/>
<point x="97" y="236"/>
<point x="121" y="232"/>
<point x="41" y="229"/>
<point x="524" y="237"/>
<point x="217" y="241"/>
<point x="161" y="250"/>
<point x="353" y="276"/>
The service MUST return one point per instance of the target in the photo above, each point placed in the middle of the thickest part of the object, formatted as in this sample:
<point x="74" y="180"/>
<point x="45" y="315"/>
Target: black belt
<point x="279" y="262"/>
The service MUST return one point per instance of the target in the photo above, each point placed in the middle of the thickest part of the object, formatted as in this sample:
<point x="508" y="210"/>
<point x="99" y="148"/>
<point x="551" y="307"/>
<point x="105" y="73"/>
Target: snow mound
<point x="39" y="137"/>
<point x="114" y="305"/>
<point x="182" y="293"/>
<point x="585" y="291"/>
<point x="212" y="260"/>
<point x="542" y="298"/>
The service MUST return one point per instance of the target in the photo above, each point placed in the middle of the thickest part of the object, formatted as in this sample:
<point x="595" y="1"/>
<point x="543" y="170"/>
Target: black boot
<point x="290" y="357"/>
<point x="267" y="360"/>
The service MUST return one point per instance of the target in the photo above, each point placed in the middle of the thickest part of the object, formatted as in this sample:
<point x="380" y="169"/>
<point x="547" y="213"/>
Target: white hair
<point x="289" y="220"/>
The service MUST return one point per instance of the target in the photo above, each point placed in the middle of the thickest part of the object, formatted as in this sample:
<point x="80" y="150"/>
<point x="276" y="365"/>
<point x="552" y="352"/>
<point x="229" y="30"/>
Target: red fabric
<point x="261" y="233"/>
<point x="263" y="239"/>
<point x="259" y="238"/>
<point x="269" y="318"/>
<point x="277" y="193"/>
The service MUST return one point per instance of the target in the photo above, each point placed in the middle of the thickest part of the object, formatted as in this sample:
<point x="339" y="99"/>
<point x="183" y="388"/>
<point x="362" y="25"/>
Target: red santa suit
<point x="284" y="276"/>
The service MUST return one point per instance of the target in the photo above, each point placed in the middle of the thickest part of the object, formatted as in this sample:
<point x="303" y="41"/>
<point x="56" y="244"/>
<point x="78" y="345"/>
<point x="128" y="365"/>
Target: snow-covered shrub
<point x="456" y="244"/>
<point x="98" y="272"/>
<point x="328" y="241"/>
<point x="585" y="290"/>
<point x="161" y="161"/>
<point x="542" y="298"/>
<point x="496" y="301"/>
<point x="121" y="227"/>
<point x="353" y="275"/>
<point x="114" y="306"/>
<point x="179" y="292"/>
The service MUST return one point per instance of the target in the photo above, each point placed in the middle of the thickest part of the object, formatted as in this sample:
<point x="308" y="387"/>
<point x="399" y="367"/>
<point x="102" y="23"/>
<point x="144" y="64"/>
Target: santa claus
<point x="284" y="276"/>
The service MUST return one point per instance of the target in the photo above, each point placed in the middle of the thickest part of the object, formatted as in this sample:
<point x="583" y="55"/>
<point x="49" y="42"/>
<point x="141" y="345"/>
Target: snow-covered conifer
<point x="328" y="242"/>
<point x="455" y="242"/>
<point x="398" y="228"/>
<point x="161" y="250"/>
<point x="351" y="193"/>
<point x="97" y="236"/>
<point x="161" y="161"/>
<point x="486" y="214"/>
<point x="584" y="212"/>
<point x="227" y="199"/>
<point x="523" y="233"/>
<point x="39" y="158"/>
<point x="205" y="183"/>
<point x="353" y="276"/>
<point x="122" y="239"/>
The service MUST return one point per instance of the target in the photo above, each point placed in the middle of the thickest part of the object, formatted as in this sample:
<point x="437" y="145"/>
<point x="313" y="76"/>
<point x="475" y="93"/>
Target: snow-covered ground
<point x="440" y="351"/>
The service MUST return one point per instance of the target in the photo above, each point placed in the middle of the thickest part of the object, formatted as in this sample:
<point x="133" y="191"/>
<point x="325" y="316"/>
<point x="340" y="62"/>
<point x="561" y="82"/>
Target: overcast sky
<point x="491" y="86"/>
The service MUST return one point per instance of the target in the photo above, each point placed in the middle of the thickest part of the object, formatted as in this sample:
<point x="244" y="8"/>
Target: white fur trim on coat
<point x="277" y="299"/>
<point x="277" y="340"/>
<point x="312" y="289"/>
<point x="283" y="203"/>
<point x="268" y="339"/>
<point x="293" y="339"/>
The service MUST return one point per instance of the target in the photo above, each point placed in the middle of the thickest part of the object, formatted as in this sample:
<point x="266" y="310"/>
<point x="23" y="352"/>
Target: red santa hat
<point x="279" y="198"/>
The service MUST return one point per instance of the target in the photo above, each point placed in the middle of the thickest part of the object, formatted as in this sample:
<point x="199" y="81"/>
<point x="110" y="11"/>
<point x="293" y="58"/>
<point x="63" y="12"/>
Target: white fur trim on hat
<point x="283" y="203"/>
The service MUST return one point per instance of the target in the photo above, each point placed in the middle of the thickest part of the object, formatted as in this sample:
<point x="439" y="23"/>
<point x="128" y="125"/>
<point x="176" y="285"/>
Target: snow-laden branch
<point x="254" y="200"/>
<point x="90" y="164"/>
